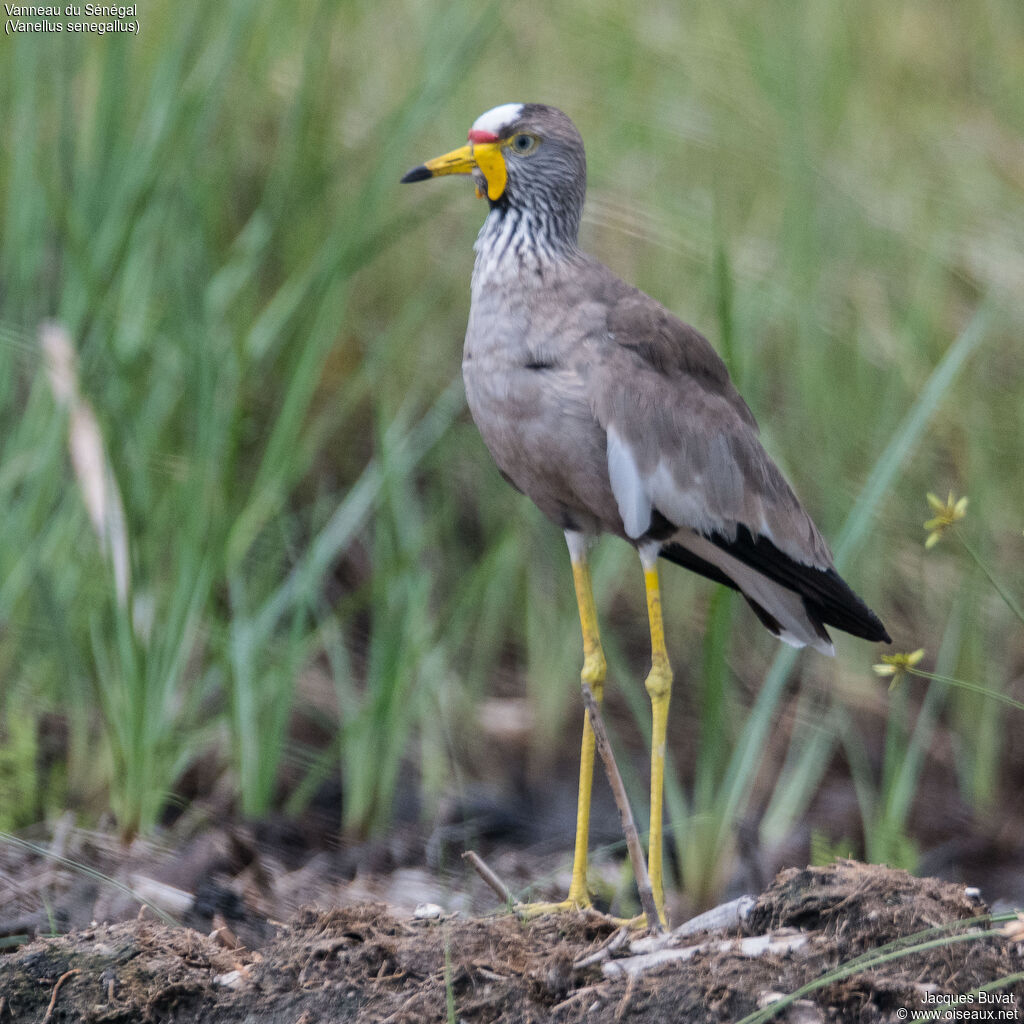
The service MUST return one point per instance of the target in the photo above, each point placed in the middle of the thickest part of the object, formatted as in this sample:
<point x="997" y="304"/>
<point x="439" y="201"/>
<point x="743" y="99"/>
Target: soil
<point x="363" y="962"/>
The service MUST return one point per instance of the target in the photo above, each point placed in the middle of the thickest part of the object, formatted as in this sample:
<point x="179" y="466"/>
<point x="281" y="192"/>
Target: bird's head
<point x="524" y="157"/>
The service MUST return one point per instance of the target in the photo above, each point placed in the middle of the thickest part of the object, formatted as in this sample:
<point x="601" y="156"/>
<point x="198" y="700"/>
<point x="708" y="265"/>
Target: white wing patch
<point x="637" y="495"/>
<point x="628" y="486"/>
<point x="712" y="501"/>
<point x="497" y="118"/>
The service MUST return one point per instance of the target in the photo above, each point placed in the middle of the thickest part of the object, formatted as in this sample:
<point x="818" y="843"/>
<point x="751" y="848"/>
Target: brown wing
<point x="682" y="441"/>
<point x="688" y="470"/>
<point x="672" y="348"/>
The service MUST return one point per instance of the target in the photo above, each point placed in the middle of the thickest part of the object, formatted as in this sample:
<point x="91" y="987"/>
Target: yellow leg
<point x="659" y="686"/>
<point x="593" y="674"/>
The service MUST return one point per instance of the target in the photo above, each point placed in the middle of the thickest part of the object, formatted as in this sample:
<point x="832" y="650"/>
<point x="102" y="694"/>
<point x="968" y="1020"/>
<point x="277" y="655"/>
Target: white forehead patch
<point x="494" y="120"/>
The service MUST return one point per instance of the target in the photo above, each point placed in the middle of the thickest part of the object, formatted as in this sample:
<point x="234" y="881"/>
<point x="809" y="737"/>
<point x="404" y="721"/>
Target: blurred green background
<point x="241" y="490"/>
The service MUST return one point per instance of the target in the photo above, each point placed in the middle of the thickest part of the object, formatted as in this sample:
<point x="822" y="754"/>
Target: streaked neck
<point x="515" y="240"/>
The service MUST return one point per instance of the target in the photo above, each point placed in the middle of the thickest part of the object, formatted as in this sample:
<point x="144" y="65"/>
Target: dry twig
<point x="56" y="988"/>
<point x="636" y="853"/>
<point x="623" y="1008"/>
<point x="617" y="940"/>
<point x="481" y="868"/>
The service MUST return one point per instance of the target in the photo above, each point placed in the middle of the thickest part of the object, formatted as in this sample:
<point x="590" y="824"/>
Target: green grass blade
<point x="737" y="783"/>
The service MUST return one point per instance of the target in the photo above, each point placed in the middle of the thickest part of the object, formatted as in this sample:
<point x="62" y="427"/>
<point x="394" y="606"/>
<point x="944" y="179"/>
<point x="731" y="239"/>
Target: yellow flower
<point x="897" y="665"/>
<point x="947" y="512"/>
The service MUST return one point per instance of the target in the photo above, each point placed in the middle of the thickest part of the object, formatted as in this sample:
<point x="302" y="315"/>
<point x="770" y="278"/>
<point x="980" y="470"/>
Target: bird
<point x="616" y="417"/>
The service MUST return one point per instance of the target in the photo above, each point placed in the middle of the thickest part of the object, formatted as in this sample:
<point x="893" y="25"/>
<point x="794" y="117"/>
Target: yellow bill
<point x="485" y="155"/>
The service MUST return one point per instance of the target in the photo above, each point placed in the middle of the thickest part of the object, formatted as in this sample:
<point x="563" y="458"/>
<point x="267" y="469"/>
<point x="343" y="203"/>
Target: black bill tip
<point x="420" y="173"/>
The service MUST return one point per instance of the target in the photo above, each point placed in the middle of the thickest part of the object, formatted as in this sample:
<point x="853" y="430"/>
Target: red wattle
<point x="477" y="135"/>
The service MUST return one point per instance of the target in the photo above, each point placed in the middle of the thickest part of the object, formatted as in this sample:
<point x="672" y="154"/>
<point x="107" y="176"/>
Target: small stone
<point x="427" y="912"/>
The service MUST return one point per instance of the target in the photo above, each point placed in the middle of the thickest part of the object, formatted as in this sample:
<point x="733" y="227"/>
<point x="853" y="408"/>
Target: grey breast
<point x="532" y="347"/>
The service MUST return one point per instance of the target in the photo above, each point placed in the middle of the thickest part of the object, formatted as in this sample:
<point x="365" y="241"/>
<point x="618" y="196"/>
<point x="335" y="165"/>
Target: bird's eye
<point x="523" y="143"/>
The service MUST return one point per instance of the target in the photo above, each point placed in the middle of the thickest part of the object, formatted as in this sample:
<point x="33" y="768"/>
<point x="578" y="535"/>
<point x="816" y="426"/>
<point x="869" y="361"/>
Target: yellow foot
<point x="528" y="911"/>
<point x="531" y="911"/>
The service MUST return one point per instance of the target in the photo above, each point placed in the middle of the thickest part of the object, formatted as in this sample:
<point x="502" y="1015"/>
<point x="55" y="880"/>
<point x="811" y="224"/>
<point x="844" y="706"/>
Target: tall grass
<point x="267" y="331"/>
<point x="205" y="285"/>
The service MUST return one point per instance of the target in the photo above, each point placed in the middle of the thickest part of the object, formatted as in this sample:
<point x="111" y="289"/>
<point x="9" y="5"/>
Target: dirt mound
<point x="363" y="964"/>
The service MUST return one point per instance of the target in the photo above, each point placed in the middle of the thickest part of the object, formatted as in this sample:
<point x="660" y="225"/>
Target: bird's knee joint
<point x="594" y="669"/>
<point x="659" y="681"/>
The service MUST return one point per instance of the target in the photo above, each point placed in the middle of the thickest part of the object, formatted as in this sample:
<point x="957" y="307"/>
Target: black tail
<point x="827" y="597"/>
